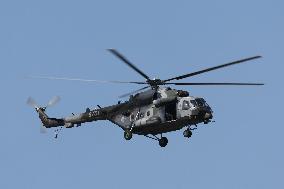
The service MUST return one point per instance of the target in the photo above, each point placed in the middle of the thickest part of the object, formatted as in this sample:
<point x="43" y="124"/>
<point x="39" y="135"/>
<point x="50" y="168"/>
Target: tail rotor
<point x="31" y="102"/>
<point x="42" y="129"/>
<point x="41" y="110"/>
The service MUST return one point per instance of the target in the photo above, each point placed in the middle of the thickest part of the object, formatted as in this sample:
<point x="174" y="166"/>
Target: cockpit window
<point x="148" y="113"/>
<point x="185" y="105"/>
<point x="168" y="89"/>
<point x="200" y="102"/>
<point x="193" y="102"/>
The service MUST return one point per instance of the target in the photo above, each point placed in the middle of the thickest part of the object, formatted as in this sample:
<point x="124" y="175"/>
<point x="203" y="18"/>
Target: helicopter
<point x="150" y="111"/>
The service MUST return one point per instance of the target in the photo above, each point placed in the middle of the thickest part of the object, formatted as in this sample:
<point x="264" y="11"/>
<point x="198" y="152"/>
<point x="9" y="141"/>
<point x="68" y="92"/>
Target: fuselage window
<point x="132" y="117"/>
<point x="185" y="105"/>
<point x="148" y="113"/>
<point x="141" y="115"/>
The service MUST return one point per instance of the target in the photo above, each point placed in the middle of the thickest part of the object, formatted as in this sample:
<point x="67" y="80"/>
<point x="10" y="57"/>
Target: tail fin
<point x="42" y="115"/>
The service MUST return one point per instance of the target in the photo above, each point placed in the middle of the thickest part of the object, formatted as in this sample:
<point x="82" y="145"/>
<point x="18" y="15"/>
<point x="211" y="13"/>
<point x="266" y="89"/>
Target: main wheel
<point x="187" y="133"/>
<point x="127" y="135"/>
<point x="163" y="142"/>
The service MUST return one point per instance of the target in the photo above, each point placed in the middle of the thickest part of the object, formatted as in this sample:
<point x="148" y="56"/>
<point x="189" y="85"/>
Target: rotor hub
<point x="155" y="82"/>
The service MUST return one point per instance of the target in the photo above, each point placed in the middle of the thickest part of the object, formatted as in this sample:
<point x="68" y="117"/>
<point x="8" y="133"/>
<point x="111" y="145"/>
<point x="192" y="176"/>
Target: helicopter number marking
<point x="94" y="113"/>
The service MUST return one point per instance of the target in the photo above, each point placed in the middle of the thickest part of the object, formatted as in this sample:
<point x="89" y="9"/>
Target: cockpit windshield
<point x="185" y="105"/>
<point x="200" y="102"/>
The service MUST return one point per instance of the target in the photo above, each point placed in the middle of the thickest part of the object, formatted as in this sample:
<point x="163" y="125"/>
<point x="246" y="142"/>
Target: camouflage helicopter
<point x="150" y="111"/>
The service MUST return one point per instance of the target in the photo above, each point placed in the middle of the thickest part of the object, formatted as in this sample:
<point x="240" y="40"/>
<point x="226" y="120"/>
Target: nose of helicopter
<point x="208" y="115"/>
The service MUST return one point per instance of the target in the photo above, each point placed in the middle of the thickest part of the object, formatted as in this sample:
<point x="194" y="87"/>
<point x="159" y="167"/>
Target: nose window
<point x="185" y="105"/>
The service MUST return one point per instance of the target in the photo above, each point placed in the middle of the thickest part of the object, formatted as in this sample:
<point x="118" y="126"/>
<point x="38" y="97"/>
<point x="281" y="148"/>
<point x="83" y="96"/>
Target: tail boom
<point x="49" y="122"/>
<point x="71" y="121"/>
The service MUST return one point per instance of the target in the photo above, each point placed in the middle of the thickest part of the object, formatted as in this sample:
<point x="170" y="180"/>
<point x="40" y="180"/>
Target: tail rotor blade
<point x="42" y="129"/>
<point x="53" y="101"/>
<point x="32" y="102"/>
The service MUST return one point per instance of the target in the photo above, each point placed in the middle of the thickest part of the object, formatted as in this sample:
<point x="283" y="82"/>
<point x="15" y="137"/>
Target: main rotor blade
<point x="133" y="92"/>
<point x="249" y="84"/>
<point x="83" y="80"/>
<point x="212" y="68"/>
<point x="121" y="57"/>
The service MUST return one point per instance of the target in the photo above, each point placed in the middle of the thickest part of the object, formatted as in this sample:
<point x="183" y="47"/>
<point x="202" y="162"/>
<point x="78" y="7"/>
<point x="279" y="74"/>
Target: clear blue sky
<point x="243" y="149"/>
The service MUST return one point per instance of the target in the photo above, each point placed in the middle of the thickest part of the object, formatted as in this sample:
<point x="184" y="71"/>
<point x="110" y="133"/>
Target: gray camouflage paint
<point x="144" y="112"/>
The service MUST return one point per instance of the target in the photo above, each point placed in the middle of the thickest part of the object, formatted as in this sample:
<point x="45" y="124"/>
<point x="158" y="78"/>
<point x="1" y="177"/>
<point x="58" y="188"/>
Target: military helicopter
<point x="150" y="111"/>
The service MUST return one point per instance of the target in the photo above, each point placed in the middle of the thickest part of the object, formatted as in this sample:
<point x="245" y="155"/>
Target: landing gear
<point x="187" y="133"/>
<point x="163" y="142"/>
<point x="127" y="134"/>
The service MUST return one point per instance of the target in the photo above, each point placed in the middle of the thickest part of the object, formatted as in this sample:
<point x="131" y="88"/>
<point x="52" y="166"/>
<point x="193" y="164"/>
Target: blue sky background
<point x="243" y="149"/>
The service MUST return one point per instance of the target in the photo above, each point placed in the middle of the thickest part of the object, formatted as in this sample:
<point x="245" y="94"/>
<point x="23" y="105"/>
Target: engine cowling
<point x="162" y="101"/>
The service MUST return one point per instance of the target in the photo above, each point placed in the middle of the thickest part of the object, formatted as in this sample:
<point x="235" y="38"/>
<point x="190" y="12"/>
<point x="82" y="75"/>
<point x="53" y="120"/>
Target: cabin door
<point x="171" y="111"/>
